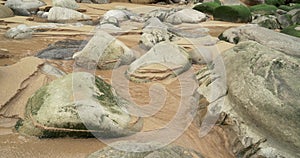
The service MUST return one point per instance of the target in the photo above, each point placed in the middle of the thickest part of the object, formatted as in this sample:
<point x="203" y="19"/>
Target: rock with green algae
<point x="293" y="30"/>
<point x="267" y="21"/>
<point x="289" y="7"/>
<point x="234" y="13"/>
<point x="207" y="7"/>
<point x="263" y="91"/>
<point x="263" y="9"/>
<point x="77" y="105"/>
<point x="146" y="151"/>
<point x="275" y="2"/>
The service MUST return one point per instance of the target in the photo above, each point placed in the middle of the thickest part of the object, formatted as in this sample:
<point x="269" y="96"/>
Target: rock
<point x="289" y="7"/>
<point x="266" y="37"/>
<point x="186" y="16"/>
<point x="164" y="60"/>
<point x="173" y="19"/>
<point x="120" y="15"/>
<point x="62" y="49"/>
<point x="154" y="32"/>
<point x="234" y="13"/>
<point x="105" y="52"/>
<point x="252" y="2"/>
<point x="284" y="20"/>
<point x="161" y="14"/>
<point x="23" y="7"/>
<point x="45" y="15"/>
<point x="207" y="7"/>
<point x="293" y="12"/>
<point x="147" y="151"/>
<point x="110" y="20"/>
<point x="5" y="12"/>
<point x="94" y="1"/>
<point x="263" y="9"/>
<point x="296" y="18"/>
<point x="76" y="105"/>
<point x="189" y="33"/>
<point x="267" y="21"/>
<point x="58" y="14"/>
<point x="51" y="70"/>
<point x="71" y="4"/>
<point x="275" y="2"/>
<point x="263" y="91"/>
<point x="20" y="32"/>
<point x="292" y="30"/>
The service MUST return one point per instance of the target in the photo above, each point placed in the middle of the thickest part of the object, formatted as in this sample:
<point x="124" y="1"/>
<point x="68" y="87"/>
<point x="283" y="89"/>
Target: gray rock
<point x="268" y="21"/>
<point x="154" y="32"/>
<point x="77" y="105"/>
<point x="296" y="18"/>
<point x="62" y="49"/>
<point x="189" y="33"/>
<point x="58" y="14"/>
<point x="40" y="13"/>
<point x="186" y="16"/>
<point x="293" y="12"/>
<point x="284" y="20"/>
<point x="20" y="32"/>
<point x="263" y="90"/>
<point x="71" y="4"/>
<point x="51" y="70"/>
<point x="278" y="41"/>
<point x="105" y="52"/>
<point x="161" y="14"/>
<point x="173" y="19"/>
<point x="163" y="60"/>
<point x="23" y="7"/>
<point x="5" y="12"/>
<point x="120" y="15"/>
<point x="45" y="15"/>
<point x="110" y="20"/>
<point x="170" y="151"/>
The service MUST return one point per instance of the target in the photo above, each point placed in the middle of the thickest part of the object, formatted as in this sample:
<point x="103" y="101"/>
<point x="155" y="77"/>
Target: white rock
<point x="71" y="4"/>
<point x="58" y="14"/>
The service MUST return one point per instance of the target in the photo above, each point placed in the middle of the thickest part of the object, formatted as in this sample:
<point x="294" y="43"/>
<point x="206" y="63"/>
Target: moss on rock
<point x="263" y="9"/>
<point x="289" y="7"/>
<point x="234" y="13"/>
<point x="275" y="2"/>
<point x="291" y="30"/>
<point x="207" y="7"/>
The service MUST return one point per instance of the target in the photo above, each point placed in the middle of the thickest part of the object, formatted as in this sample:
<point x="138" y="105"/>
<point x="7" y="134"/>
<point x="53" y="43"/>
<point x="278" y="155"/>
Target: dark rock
<point x="62" y="49"/>
<point x="234" y="13"/>
<point x="207" y="7"/>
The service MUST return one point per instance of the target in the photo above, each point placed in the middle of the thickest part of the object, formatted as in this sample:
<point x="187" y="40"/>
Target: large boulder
<point x="62" y="49"/>
<point x="5" y="12"/>
<point x="58" y="14"/>
<point x="162" y="61"/>
<point x="234" y="13"/>
<point x="71" y="4"/>
<point x="186" y="16"/>
<point x="20" y="32"/>
<point x="24" y="7"/>
<point x="146" y="151"/>
<point x="105" y="52"/>
<point x="77" y="105"/>
<point x="263" y="93"/>
<point x="278" y="41"/>
<point x="267" y="21"/>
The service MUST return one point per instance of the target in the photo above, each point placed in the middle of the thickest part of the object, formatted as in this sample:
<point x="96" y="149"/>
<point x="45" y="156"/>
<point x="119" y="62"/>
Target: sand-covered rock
<point x="263" y="90"/>
<point x="163" y="60"/>
<point x="105" y="52"/>
<point x="5" y="12"/>
<point x="278" y="41"/>
<point x="77" y="105"/>
<point x="58" y="14"/>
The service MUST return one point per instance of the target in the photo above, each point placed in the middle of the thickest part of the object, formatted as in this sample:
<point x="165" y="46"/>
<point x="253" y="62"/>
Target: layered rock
<point x="164" y="60"/>
<point x="105" y="52"/>
<point x="77" y="105"/>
